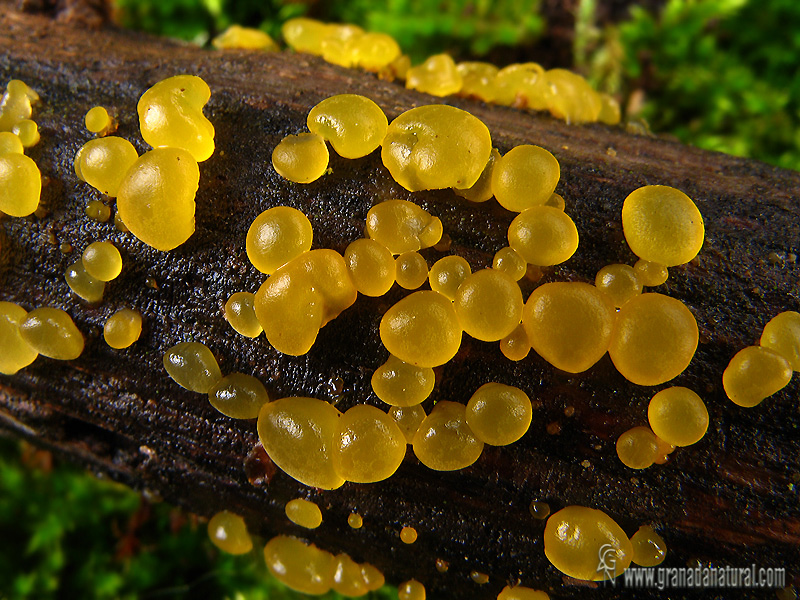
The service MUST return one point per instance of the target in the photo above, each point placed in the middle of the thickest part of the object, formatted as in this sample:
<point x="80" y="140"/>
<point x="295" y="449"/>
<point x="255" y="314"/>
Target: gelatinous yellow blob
<point x="375" y="51"/>
<point x="649" y="548"/>
<point x="412" y="270"/>
<point x="340" y="45"/>
<point x="371" y="266"/>
<point x="579" y="541"/>
<point x="303" y="567"/>
<point x="304" y="513"/>
<point x="245" y="38"/>
<point x="525" y="177"/>
<point x="16" y="104"/>
<point x="10" y="143"/>
<point x="782" y="335"/>
<point x="437" y="76"/>
<point x="447" y="274"/>
<point x="654" y="340"/>
<point x="240" y="312"/>
<point x="192" y="366"/>
<point x="103" y="163"/>
<point x="171" y="114"/>
<point x="556" y="201"/>
<point x="662" y="225"/>
<point x="569" y="324"/>
<point x="402" y="384"/>
<point x="408" y="419"/>
<point x="499" y="414"/>
<point x="20" y="185"/>
<point x="444" y="441"/>
<point x="238" y="396"/>
<point x="637" y="448"/>
<point x="28" y="132"/>
<point x="97" y="120"/>
<point x="478" y="577"/>
<point x="97" y="211"/>
<point x="523" y="86"/>
<point x="664" y="450"/>
<point x="422" y="329"/>
<point x="572" y="98"/>
<point x="539" y="510"/>
<point x="102" y="261"/>
<point x="402" y="226"/>
<point x="649" y="273"/>
<point x="481" y="190"/>
<point x="610" y="112"/>
<point x="678" y="416"/>
<point x="408" y="535"/>
<point x="435" y="147"/>
<point x="355" y="521"/>
<point x="83" y="284"/>
<point x="354" y="125"/>
<point x="477" y="79"/>
<point x="276" y="236"/>
<point x="411" y="590"/>
<point x="301" y="158"/>
<point x="619" y="282"/>
<point x="488" y="304"/>
<point x="348" y="577"/>
<point x="298" y="435"/>
<point x="228" y="532"/>
<point x="51" y="332"/>
<point x="754" y="374"/>
<point x="516" y="345"/>
<point x="305" y="35"/>
<point x="15" y="352"/>
<point x="122" y="328"/>
<point x="543" y="236"/>
<point x="156" y="197"/>
<point x="301" y="297"/>
<point x="521" y="593"/>
<point x="368" y="445"/>
<point x="510" y="262"/>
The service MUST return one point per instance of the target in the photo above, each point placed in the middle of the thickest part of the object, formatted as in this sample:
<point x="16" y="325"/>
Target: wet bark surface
<point x="731" y="499"/>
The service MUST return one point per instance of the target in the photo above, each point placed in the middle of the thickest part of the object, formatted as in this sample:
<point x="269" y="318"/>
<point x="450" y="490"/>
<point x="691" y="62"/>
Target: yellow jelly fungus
<point x="610" y="112"/>
<point x="481" y="190"/>
<point x="525" y="177"/>
<point x="171" y="114"/>
<point x="373" y="578"/>
<point x="543" y="236"/>
<point x="442" y="565"/>
<point x="782" y="335"/>
<point x="556" y="201"/>
<point x="436" y="147"/>
<point x="15" y="352"/>
<point x="408" y="535"/>
<point x="499" y="414"/>
<point x="156" y="197"/>
<point x="516" y="345"/>
<point x="402" y="226"/>
<point x="447" y="274"/>
<point x="678" y="416"/>
<point x="52" y="333"/>
<point x="10" y="143"/>
<point x="192" y="366"/>
<point x="16" y="104"/>
<point x="412" y="270"/>
<point x="368" y="445"/>
<point x="437" y="76"/>
<point x="664" y="450"/>
<point x="422" y="329"/>
<point x="569" y="324"/>
<point x="408" y="419"/>
<point x="304" y="513"/>
<point x="228" y="532"/>
<point x="245" y="38"/>
<point x="619" y="282"/>
<point x="20" y="185"/>
<point x="523" y="86"/>
<point x="354" y="125"/>
<point x="754" y="374"/>
<point x="28" y="132"/>
<point x="521" y="593"/>
<point x="375" y="51"/>
<point x="276" y="236"/>
<point x="477" y="79"/>
<point x="539" y="510"/>
<point x="654" y="340"/>
<point x="241" y="314"/>
<point x="301" y="297"/>
<point x="637" y="448"/>
<point x="305" y="35"/>
<point x="662" y="225"/>
<point x="444" y="441"/>
<point x="340" y="45"/>
<point x="122" y="328"/>
<point x="97" y="211"/>
<point x="371" y="266"/>
<point x="302" y="567"/>
<point x="120" y="226"/>
<point x="402" y="384"/>
<point x="97" y="120"/>
<point x="580" y="542"/>
<point x="510" y="262"/>
<point x="355" y="520"/>
<point x="299" y="435"/>
<point x="649" y="549"/>
<point x="488" y="304"/>
<point x="102" y="261"/>
<point x="103" y="163"/>
<point x="650" y="274"/>
<point x="348" y="577"/>
<point x="573" y="99"/>
<point x="301" y="158"/>
<point x="83" y="284"/>
<point x="478" y="577"/>
<point x="238" y="396"/>
<point x="411" y="590"/>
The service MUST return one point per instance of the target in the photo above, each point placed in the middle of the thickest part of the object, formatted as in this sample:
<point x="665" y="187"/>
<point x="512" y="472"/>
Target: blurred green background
<point x="719" y="74"/>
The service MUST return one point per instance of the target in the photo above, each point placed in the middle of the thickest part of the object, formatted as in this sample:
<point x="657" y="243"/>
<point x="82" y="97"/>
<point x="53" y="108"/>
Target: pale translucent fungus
<point x="28" y="132"/>
<point x="245" y="38"/>
<point x="649" y="548"/>
<point x="10" y="143"/>
<point x="298" y="434"/>
<point x="354" y="125"/>
<point x="782" y="335"/>
<point x="52" y="333"/>
<point x="619" y="282"/>
<point x="355" y="521"/>
<point x="437" y="76"/>
<point x="578" y="540"/>
<point x="408" y="419"/>
<point x="368" y="445"/>
<point x="83" y="284"/>
<point x="122" y="328"/>
<point x="20" y="185"/>
<point x="302" y="567"/>
<point x="103" y="163"/>
<point x="412" y="270"/>
<point x="754" y="374"/>
<point x="444" y="441"/>
<point x="499" y="414"/>
<point x="637" y="448"/>
<point x="304" y="513"/>
<point x="276" y="236"/>
<point x="521" y="593"/>
<point x="447" y="274"/>
<point x="516" y="345"/>
<point x="543" y="236"/>
<point x="650" y="274"/>
<point x="477" y="79"/>
<point x="569" y="324"/>
<point x="371" y="266"/>
<point x="481" y="190"/>
<point x="436" y="147"/>
<point x="402" y="226"/>
<point x="375" y="51"/>
<point x="525" y="176"/>
<point x="301" y="158"/>
<point x="488" y="304"/>
<point x="97" y="211"/>
<point x="662" y="225"/>
<point x="411" y="590"/>
<point x="102" y="261"/>
<point x="654" y="340"/>
<point x="15" y="352"/>
<point x="422" y="329"/>
<point x="192" y="366"/>
<point x="238" y="396"/>
<point x="97" y="120"/>
<point x="241" y="314"/>
<point x="408" y="535"/>
<point x="228" y="532"/>
<point x="402" y="384"/>
<point x="678" y="416"/>
<point x="510" y="262"/>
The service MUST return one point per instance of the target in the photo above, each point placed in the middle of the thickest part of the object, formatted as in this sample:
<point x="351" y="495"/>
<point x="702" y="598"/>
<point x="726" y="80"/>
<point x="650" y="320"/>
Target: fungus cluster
<point x="20" y="178"/>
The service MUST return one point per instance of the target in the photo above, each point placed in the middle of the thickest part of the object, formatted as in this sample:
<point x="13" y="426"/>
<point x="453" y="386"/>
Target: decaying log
<point x="731" y="499"/>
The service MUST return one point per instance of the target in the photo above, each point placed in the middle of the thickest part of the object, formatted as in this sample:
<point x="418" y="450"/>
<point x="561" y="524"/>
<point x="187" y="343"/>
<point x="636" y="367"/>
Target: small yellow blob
<point x="245" y="38"/>
<point x="521" y="593"/>
<point x="15" y="352"/>
<point x="240" y="312"/>
<point x="301" y="158"/>
<point x="348" y="577"/>
<point x="782" y="335"/>
<point x="447" y="274"/>
<point x="51" y="332"/>
<point x="354" y="125"/>
<point x="28" y="132"/>
<point x="543" y="236"/>
<point x="754" y="374"/>
<point x="192" y="366"/>
<point x="10" y="143"/>
<point x="302" y="567"/>
<point x="305" y="35"/>
<point x="572" y="98"/>
<point x="402" y="226"/>
<point x="510" y="262"/>
<point x="437" y="76"/>
<point x="523" y="86"/>
<point x="556" y="201"/>
<point x="488" y="304"/>
<point x="619" y="282"/>
<point x="402" y="384"/>
<point x="97" y="211"/>
<point x="304" y="513"/>
<point x="539" y="510"/>
<point x="238" y="396"/>
<point x="649" y="548"/>
<point x="678" y="416"/>
<point x="83" y="284"/>
<point x="375" y="51"/>
<point x="371" y="266"/>
<point x="102" y="261"/>
<point x="477" y="79"/>
<point x="525" y="177"/>
<point x="411" y="590"/>
<point x="478" y="577"/>
<point x="610" y="112"/>
<point x="481" y="190"/>
<point x="408" y="535"/>
<point x="98" y="121"/>
<point x="122" y="328"/>
<point x="444" y="441"/>
<point x="516" y="345"/>
<point x="355" y="521"/>
<point x="499" y="414"/>
<point x="412" y="270"/>
<point x="649" y="273"/>
<point x="408" y="419"/>
<point x="276" y="236"/>
<point x="637" y="448"/>
<point x="229" y="533"/>
<point x="16" y="104"/>
<point x="103" y="163"/>
<point x="20" y="185"/>
<point x="442" y="565"/>
<point x="340" y="45"/>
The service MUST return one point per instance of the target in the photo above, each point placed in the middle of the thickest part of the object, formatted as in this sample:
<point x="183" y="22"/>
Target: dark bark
<point x="729" y="500"/>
